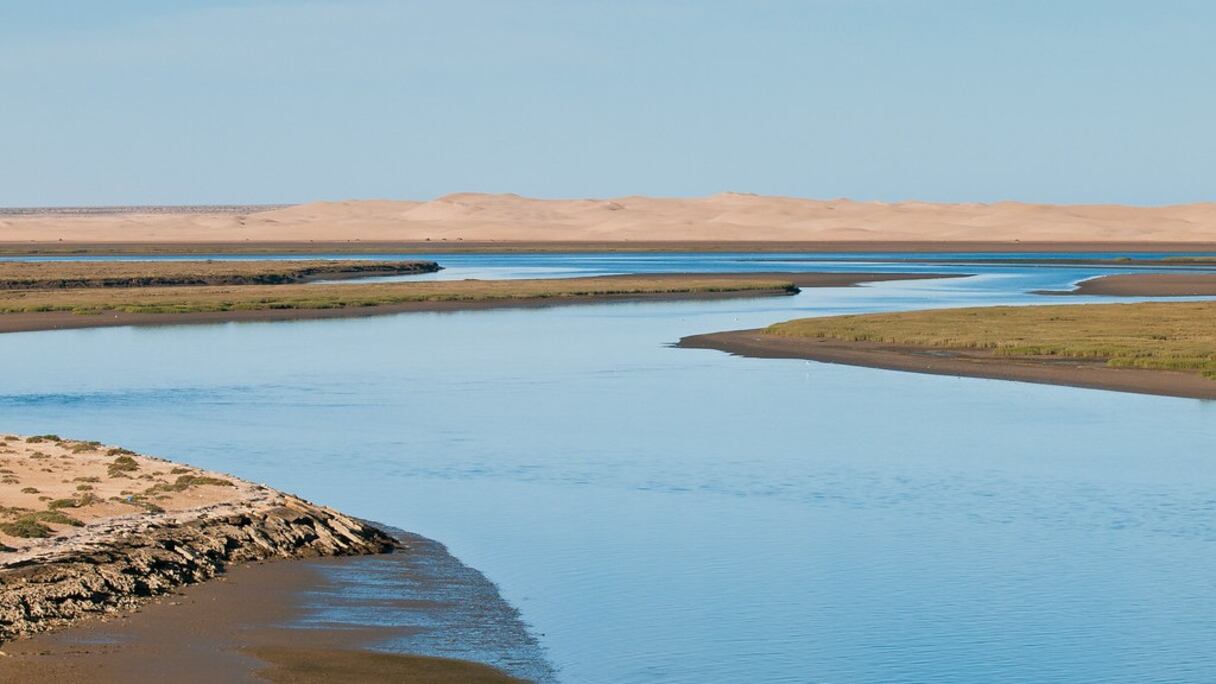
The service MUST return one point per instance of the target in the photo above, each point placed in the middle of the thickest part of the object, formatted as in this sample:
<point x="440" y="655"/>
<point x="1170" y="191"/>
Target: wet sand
<point x="63" y="320"/>
<point x="117" y="566"/>
<point x="336" y="246"/>
<point x="1090" y="373"/>
<point x="238" y="629"/>
<point x="1145" y="285"/>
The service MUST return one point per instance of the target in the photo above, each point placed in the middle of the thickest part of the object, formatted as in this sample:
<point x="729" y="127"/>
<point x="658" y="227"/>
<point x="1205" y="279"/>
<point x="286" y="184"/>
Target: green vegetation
<point x="33" y="525"/>
<point x="122" y="465"/>
<point x="185" y="482"/>
<point x="1162" y="336"/>
<point x="25" y="527"/>
<point x="55" y="517"/>
<point x="36" y="439"/>
<point x="85" y="499"/>
<point x="170" y="300"/>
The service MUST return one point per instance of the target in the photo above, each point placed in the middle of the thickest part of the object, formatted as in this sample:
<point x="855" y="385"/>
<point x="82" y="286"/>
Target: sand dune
<point x="721" y="217"/>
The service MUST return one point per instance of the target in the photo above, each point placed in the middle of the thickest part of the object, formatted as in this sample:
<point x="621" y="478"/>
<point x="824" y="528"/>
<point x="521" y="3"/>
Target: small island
<point x="1164" y="348"/>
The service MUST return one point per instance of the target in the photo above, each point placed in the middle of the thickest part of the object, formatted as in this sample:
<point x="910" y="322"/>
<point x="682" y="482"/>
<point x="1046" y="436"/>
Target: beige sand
<point x="90" y="483"/>
<point x="729" y="217"/>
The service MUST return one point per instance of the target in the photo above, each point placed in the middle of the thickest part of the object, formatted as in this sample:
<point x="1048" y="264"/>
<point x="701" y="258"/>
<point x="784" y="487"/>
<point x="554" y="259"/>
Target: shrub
<point x="25" y="528"/>
<point x="56" y="517"/>
<point x="185" y="482"/>
<point x="122" y="464"/>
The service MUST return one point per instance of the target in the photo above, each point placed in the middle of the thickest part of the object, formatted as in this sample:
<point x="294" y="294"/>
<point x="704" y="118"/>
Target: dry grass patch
<point x="1157" y="335"/>
<point x="169" y="300"/>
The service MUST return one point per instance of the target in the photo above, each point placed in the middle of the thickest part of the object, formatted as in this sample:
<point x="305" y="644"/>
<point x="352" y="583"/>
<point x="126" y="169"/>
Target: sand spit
<point x="1145" y="285"/>
<point x="725" y="217"/>
<point x="91" y="530"/>
<point x="1093" y="374"/>
<point x="1162" y="348"/>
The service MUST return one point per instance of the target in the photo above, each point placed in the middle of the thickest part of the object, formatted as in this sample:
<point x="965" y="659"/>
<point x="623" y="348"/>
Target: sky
<point x="247" y="101"/>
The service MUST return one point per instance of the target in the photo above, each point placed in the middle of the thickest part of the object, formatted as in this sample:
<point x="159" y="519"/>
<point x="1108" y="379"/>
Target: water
<point x="671" y="515"/>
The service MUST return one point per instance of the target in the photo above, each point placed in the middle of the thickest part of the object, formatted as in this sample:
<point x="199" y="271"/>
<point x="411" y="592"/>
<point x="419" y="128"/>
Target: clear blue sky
<point x="149" y="101"/>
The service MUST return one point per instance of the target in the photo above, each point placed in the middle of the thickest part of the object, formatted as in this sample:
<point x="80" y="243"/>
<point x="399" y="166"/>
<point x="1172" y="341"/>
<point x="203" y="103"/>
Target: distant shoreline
<point x="1088" y="373"/>
<point x="142" y="209"/>
<point x="19" y="248"/>
<point x="727" y="217"/>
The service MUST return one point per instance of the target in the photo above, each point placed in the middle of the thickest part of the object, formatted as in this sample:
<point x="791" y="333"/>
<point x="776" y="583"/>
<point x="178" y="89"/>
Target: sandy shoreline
<point x="87" y="529"/>
<point x="331" y="245"/>
<point x="241" y="629"/>
<point x="63" y="320"/>
<point x="1089" y="373"/>
<point x="1145" y="285"/>
<point x="94" y="537"/>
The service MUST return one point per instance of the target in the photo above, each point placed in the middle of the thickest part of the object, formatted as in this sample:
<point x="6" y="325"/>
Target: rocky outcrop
<point x="116" y="564"/>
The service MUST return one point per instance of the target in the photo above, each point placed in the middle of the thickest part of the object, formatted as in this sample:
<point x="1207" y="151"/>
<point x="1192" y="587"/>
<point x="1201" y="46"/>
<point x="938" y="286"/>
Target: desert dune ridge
<point x="724" y="217"/>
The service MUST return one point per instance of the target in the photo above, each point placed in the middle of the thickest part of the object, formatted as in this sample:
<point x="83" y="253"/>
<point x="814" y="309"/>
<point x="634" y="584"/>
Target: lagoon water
<point x="670" y="515"/>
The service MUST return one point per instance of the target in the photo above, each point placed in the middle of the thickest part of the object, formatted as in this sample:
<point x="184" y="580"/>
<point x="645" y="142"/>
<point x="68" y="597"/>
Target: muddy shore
<point x="254" y="624"/>
<point x="1145" y="285"/>
<point x="1090" y="373"/>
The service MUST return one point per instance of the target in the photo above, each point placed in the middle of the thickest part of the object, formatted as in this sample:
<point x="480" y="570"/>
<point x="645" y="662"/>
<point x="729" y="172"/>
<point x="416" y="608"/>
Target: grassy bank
<point x="54" y="275"/>
<point x="178" y="300"/>
<point x="1160" y="336"/>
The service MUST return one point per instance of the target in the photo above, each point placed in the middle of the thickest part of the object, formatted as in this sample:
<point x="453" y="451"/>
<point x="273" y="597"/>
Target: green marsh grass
<point x="1154" y="335"/>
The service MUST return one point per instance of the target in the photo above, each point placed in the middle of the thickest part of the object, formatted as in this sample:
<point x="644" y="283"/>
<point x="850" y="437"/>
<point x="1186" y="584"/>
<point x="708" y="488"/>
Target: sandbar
<point x="1145" y="285"/>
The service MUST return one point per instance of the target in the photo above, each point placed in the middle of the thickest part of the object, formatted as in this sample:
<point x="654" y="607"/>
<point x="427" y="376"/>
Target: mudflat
<point x="232" y="630"/>
<point x="1149" y="348"/>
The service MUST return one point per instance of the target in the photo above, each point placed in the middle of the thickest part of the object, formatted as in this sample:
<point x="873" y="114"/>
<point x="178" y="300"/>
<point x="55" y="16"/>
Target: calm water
<point x="669" y="515"/>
